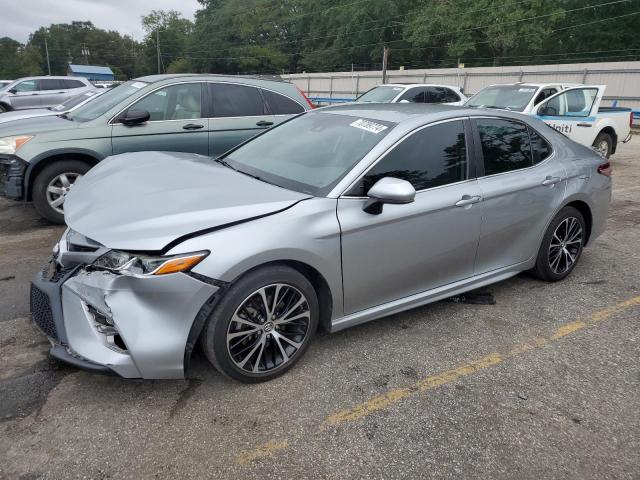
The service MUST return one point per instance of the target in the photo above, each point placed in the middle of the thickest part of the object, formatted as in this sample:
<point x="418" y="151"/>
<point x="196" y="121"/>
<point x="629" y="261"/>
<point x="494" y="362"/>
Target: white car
<point x="65" y="107"/>
<point x="414" y="93"/>
<point x="572" y="109"/>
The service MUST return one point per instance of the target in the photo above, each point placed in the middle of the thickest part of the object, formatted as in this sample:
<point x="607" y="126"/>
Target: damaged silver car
<point x="339" y="216"/>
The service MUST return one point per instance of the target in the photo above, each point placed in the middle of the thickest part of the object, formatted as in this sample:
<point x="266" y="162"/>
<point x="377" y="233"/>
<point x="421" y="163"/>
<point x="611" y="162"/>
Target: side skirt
<point x="429" y="296"/>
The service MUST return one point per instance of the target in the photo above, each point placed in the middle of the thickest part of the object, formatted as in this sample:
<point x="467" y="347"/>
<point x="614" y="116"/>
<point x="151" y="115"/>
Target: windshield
<point x="310" y="153"/>
<point x="382" y="94"/>
<point x="73" y="102"/>
<point x="106" y="101"/>
<point x="510" y="97"/>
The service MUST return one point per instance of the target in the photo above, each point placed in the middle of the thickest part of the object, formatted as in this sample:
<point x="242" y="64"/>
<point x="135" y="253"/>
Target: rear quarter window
<point x="280" y="104"/>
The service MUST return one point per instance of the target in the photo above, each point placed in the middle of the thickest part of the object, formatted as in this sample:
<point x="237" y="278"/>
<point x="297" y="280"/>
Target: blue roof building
<point x="91" y="72"/>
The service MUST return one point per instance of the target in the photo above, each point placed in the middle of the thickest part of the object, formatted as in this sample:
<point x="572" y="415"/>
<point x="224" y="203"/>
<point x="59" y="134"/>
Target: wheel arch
<point x="584" y="208"/>
<point x="6" y="106"/>
<point x="609" y="130"/>
<point x="36" y="166"/>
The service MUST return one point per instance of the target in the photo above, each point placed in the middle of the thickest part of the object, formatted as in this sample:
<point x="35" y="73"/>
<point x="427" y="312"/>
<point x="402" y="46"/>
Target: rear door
<point x="522" y="185"/>
<point x="573" y="112"/>
<point x="176" y="123"/>
<point x="52" y="91"/>
<point x="238" y="112"/>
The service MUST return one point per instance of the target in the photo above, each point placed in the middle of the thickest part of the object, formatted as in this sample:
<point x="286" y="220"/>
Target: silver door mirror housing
<point x="388" y="190"/>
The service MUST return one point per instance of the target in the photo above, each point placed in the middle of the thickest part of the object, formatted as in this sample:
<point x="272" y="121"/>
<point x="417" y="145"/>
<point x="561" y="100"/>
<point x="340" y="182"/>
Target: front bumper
<point x="12" y="174"/>
<point x="137" y="327"/>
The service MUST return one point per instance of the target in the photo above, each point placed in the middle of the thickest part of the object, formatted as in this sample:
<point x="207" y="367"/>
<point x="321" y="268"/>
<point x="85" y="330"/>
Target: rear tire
<point x="263" y="325"/>
<point x="603" y="144"/>
<point x="52" y="184"/>
<point x="561" y="246"/>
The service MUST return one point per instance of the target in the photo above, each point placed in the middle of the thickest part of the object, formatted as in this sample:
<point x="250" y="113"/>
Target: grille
<point x="41" y="312"/>
<point x="54" y="272"/>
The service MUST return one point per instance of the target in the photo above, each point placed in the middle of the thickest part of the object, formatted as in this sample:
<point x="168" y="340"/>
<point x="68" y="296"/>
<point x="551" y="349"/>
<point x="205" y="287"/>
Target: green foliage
<point x="271" y="36"/>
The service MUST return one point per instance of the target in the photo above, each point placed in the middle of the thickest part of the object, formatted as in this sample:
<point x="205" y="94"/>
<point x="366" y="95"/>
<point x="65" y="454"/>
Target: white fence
<point x="622" y="79"/>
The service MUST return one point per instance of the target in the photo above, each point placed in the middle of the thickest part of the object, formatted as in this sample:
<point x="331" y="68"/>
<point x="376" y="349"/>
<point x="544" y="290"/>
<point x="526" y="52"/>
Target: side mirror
<point x="134" y="117"/>
<point x="388" y="190"/>
<point x="13" y="91"/>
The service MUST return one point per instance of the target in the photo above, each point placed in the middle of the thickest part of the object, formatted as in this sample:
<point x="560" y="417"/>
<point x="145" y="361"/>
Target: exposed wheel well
<point x="584" y="209"/>
<point x="612" y="133"/>
<point x="325" y="299"/>
<point x="38" y="167"/>
<point x="6" y="106"/>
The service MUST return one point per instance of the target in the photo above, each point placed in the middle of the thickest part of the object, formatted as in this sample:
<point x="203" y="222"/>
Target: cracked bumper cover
<point x="152" y="315"/>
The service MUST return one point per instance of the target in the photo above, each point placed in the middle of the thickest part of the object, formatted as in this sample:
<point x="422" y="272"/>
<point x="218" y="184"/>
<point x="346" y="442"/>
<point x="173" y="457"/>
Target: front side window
<point x="281" y="105"/>
<point x="381" y="94"/>
<point x="572" y="103"/>
<point x="505" y="145"/>
<point x="431" y="157"/>
<point x="311" y="152"/>
<point x="26" y="86"/>
<point x="230" y="100"/>
<point x="414" y="95"/>
<point x="176" y="102"/>
<point x="106" y="101"/>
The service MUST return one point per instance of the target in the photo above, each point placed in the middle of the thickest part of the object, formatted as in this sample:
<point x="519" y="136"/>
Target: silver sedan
<point x="339" y="216"/>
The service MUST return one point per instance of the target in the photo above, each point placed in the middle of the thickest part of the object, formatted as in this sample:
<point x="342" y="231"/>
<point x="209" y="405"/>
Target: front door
<point x="573" y="112"/>
<point x="176" y="122"/>
<point x="415" y="247"/>
<point x="522" y="186"/>
<point x="25" y="95"/>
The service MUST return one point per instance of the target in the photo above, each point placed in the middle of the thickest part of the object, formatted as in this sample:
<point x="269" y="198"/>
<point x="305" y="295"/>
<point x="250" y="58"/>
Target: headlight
<point x="10" y="145"/>
<point x="148" y="264"/>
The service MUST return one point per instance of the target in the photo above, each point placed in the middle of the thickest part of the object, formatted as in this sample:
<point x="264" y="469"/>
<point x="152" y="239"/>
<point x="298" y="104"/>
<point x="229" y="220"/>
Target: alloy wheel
<point x="268" y="328"/>
<point x="565" y="245"/>
<point x="58" y="188"/>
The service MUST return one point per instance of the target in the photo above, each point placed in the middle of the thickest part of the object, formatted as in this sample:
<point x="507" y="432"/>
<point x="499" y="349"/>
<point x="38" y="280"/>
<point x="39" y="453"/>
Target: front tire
<point x="263" y="324"/>
<point x="561" y="246"/>
<point x="603" y="144"/>
<point x="52" y="185"/>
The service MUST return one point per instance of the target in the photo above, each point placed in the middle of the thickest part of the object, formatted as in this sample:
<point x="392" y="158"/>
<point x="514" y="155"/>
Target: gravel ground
<point x="543" y="384"/>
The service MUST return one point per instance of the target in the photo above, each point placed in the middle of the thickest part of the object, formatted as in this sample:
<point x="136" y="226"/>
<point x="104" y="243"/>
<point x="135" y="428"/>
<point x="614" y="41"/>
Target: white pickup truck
<point x="573" y="110"/>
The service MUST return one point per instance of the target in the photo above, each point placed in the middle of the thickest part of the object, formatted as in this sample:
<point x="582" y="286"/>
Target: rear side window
<point x="73" y="84"/>
<point x="431" y="157"/>
<point x="281" y="105"/>
<point x="414" y="95"/>
<point x="442" y="95"/>
<point x="51" y="84"/>
<point x="540" y="148"/>
<point x="505" y="145"/>
<point x="231" y="100"/>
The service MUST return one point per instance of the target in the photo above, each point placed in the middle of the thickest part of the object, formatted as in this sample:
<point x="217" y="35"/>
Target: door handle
<point x="551" y="181"/>
<point x="584" y="125"/>
<point x="468" y="200"/>
<point x="192" y="126"/>
<point x="264" y="123"/>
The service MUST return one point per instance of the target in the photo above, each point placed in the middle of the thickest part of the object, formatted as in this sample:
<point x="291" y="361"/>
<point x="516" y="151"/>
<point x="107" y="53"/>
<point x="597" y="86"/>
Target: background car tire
<point x="4" y="108"/>
<point x="543" y="268"/>
<point x="214" y="336"/>
<point x="602" y="139"/>
<point x="41" y="183"/>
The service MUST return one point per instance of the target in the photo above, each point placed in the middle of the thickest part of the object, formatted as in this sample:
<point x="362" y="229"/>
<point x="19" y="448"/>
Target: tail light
<point x="311" y="105"/>
<point x="631" y="119"/>
<point x="605" y="169"/>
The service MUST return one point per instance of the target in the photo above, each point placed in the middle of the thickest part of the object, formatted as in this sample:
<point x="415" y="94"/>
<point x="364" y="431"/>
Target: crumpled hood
<point x="145" y="200"/>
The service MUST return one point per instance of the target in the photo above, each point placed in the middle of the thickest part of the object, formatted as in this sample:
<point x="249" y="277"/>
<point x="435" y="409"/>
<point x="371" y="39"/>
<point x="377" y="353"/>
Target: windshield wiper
<point x="64" y="115"/>
<point x="222" y="161"/>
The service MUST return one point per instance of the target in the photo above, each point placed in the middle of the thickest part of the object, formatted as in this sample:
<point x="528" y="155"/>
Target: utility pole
<point x="385" y="59"/>
<point x="158" y="48"/>
<point x="46" y="49"/>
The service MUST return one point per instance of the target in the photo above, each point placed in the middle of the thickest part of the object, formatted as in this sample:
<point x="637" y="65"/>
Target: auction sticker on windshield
<point x="138" y="84"/>
<point x="368" y="125"/>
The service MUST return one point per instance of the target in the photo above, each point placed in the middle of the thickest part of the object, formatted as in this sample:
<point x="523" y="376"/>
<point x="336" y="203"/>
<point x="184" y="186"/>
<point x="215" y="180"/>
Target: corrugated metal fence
<point x="622" y="79"/>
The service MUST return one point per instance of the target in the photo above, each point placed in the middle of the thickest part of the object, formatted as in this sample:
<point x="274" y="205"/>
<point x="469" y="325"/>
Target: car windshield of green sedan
<point x="106" y="102"/>
<point x="309" y="154"/>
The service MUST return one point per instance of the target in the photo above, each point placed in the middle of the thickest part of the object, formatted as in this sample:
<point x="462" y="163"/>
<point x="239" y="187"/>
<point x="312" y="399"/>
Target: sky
<point x="20" y="18"/>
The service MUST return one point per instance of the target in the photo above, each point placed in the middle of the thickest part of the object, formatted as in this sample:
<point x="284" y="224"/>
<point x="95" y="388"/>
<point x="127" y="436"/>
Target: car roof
<point x="207" y="76"/>
<point x="54" y="77"/>
<point x="416" y="85"/>
<point x="415" y="112"/>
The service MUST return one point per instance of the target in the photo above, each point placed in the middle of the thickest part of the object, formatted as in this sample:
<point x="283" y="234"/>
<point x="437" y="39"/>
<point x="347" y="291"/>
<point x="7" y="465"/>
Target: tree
<point x="179" y="65"/>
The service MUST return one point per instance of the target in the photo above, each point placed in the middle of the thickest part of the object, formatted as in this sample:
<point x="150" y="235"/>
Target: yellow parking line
<point x="394" y="396"/>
